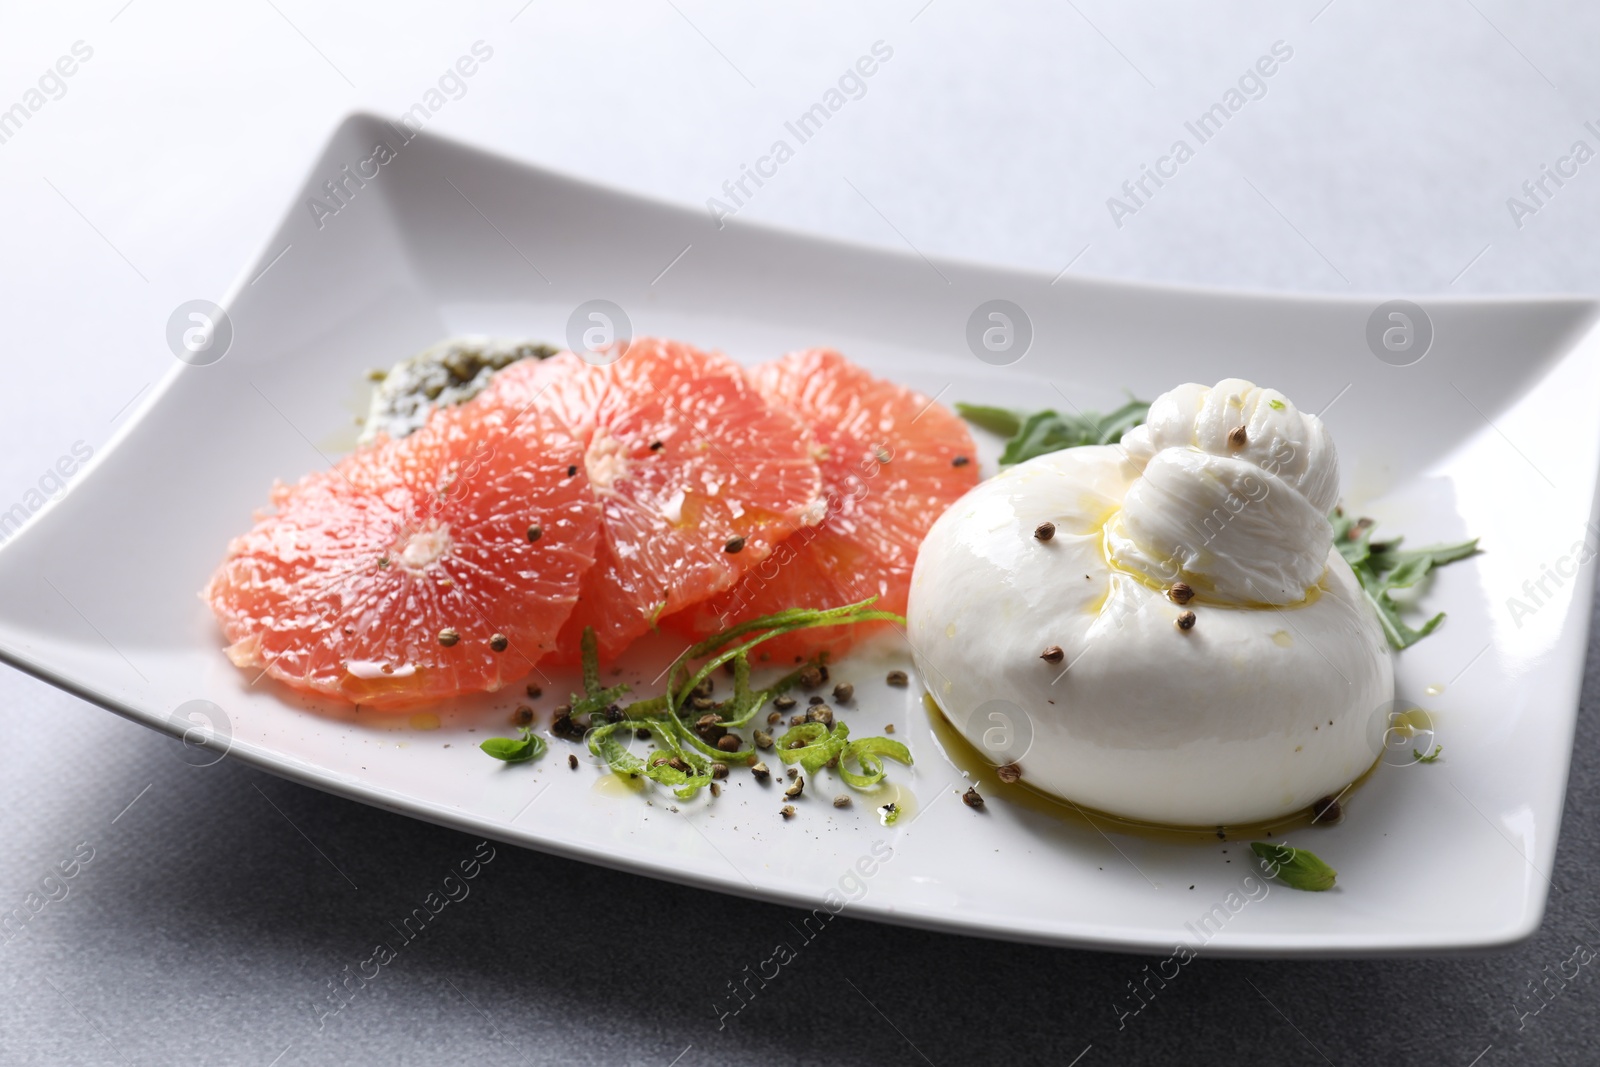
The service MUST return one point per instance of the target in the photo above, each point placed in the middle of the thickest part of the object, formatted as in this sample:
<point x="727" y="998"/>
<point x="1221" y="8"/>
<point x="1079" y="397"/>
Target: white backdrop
<point x="1379" y="156"/>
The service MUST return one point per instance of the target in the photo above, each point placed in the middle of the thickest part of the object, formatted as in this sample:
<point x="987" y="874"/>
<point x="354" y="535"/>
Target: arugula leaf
<point x="1352" y="537"/>
<point x="1294" y="867"/>
<point x="529" y="746"/>
<point x="1383" y="567"/>
<point x="1434" y="555"/>
<point x="1037" y="433"/>
<point x="1002" y="421"/>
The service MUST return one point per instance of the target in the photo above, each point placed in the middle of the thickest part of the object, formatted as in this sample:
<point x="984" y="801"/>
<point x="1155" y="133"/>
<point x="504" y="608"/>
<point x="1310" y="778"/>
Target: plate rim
<point x="1324" y="945"/>
<point x="1246" y="946"/>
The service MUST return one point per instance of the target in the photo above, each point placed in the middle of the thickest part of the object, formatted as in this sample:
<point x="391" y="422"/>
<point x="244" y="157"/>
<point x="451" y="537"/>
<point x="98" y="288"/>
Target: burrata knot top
<point x="1233" y="495"/>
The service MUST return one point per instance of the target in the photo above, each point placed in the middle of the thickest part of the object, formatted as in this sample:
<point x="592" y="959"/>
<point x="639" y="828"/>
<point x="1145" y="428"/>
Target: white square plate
<point x="1495" y="432"/>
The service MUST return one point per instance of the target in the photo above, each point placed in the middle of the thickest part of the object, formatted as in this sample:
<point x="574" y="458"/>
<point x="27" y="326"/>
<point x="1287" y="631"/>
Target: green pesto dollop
<point x="451" y="372"/>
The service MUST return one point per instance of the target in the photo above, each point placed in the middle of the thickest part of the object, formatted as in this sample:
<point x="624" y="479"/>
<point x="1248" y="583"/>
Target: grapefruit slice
<point x="415" y="569"/>
<point x="696" y="475"/>
<point x="892" y="460"/>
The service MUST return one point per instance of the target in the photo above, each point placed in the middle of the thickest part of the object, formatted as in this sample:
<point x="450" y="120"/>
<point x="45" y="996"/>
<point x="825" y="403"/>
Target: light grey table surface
<point x="1380" y="157"/>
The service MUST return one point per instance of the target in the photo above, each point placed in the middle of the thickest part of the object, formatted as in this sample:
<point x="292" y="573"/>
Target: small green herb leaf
<point x="1431" y="757"/>
<point x="529" y="746"/>
<point x="1294" y="867"/>
<point x="1046" y="431"/>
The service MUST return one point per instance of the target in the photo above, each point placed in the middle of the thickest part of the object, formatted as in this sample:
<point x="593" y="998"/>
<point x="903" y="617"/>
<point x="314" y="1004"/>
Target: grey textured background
<point x="1379" y="160"/>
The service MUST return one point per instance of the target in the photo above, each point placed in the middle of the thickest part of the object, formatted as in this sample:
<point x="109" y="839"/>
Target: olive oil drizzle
<point x="980" y="772"/>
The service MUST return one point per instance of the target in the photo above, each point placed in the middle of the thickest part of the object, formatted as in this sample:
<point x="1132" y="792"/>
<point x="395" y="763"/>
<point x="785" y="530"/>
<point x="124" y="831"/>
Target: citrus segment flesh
<point x="415" y="569"/>
<point x="892" y="461"/>
<point x="696" y="474"/>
